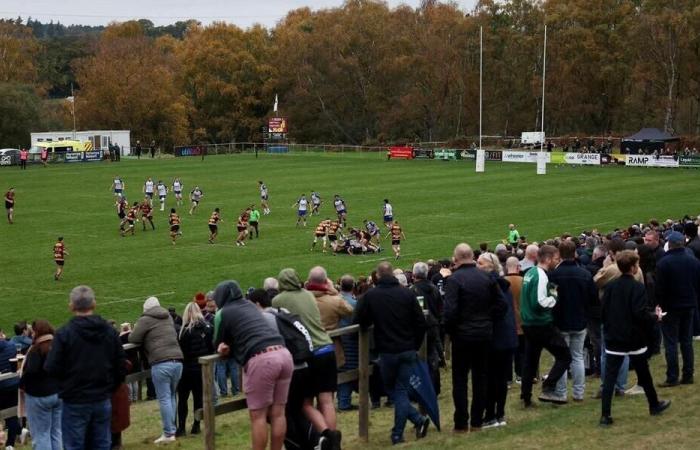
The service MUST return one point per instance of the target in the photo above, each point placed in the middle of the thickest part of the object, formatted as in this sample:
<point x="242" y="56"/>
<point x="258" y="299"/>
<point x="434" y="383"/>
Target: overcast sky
<point x="241" y="12"/>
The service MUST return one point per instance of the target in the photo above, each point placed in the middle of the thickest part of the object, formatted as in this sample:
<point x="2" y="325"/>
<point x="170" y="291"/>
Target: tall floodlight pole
<point x="480" y="154"/>
<point x="541" y="157"/>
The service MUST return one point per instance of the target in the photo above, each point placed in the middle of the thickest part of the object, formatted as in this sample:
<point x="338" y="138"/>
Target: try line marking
<point x="387" y="257"/>
<point x="65" y="293"/>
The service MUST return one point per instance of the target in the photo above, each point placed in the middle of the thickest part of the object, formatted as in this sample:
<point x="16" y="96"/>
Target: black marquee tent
<point x="647" y="140"/>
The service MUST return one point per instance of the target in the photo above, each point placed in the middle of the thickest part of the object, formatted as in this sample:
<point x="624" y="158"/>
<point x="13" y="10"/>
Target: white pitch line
<point x="133" y="299"/>
<point x="388" y="256"/>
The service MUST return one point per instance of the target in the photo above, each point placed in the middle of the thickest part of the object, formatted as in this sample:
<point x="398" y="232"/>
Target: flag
<point x="275" y="107"/>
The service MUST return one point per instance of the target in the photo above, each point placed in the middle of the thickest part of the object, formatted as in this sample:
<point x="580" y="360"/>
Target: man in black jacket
<point x="89" y="362"/>
<point x="627" y="325"/>
<point x="472" y="301"/>
<point x="677" y="289"/>
<point x="399" y="328"/>
<point x="691" y="232"/>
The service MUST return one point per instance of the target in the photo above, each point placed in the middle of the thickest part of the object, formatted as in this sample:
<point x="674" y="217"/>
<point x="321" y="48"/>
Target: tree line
<point x="363" y="73"/>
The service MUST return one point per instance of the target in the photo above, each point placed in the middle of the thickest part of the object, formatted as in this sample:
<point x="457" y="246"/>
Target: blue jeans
<point x="396" y="372"/>
<point x="677" y="328"/>
<point x="222" y="368"/>
<point x="345" y="395"/>
<point x="166" y="376"/>
<point x="44" y="418"/>
<point x="82" y="420"/>
<point x="624" y="367"/>
<point x="574" y="339"/>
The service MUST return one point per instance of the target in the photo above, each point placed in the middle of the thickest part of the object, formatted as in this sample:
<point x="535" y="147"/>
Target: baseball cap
<point x="675" y="238"/>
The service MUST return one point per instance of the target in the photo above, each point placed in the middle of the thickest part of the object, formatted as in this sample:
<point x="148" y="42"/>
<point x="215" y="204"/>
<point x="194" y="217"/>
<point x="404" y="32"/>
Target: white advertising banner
<point x="480" y="160"/>
<point x="589" y="159"/>
<point x="650" y="161"/>
<point x="526" y="157"/>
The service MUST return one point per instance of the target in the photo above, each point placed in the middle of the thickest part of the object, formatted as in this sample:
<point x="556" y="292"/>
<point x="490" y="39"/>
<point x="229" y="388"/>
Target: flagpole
<point x="73" y="109"/>
<point x="481" y="78"/>
<point x="544" y="76"/>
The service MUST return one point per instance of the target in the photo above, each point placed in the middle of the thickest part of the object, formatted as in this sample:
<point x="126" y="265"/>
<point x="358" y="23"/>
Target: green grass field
<point x="438" y="203"/>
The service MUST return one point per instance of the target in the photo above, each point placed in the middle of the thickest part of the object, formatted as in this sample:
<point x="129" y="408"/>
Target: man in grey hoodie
<point x="155" y="330"/>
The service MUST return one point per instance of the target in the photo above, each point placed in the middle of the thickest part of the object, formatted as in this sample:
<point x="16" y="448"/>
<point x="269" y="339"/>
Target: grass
<point x="438" y="204"/>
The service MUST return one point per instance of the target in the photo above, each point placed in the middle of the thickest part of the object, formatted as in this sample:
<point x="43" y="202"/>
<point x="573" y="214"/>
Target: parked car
<point x="9" y="156"/>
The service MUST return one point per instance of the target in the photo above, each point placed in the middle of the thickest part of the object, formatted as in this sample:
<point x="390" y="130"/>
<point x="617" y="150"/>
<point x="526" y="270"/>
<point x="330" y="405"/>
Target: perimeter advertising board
<point x="650" y="161"/>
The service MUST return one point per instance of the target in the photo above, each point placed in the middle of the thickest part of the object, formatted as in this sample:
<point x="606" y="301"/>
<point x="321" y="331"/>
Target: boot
<point x="195" y="427"/>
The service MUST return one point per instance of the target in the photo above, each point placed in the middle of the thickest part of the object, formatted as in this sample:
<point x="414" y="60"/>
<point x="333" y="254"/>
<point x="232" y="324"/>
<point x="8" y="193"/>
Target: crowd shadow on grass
<point x="572" y="426"/>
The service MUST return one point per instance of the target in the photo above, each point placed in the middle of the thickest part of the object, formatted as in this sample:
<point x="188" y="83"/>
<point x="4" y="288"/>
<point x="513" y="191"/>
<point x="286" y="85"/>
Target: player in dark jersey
<point x="121" y="204"/>
<point x="214" y="225"/>
<point x="174" y="221"/>
<point x="10" y="205"/>
<point x="396" y="234"/>
<point x="146" y="214"/>
<point x="242" y="227"/>
<point x="127" y="225"/>
<point x="59" y="257"/>
<point x="332" y="234"/>
<point x="321" y="232"/>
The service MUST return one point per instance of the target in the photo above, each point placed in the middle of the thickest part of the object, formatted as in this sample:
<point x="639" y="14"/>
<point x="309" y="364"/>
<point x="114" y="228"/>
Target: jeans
<point x="677" y="328"/>
<point x="623" y="370"/>
<point x="641" y="366"/>
<point x="166" y="376"/>
<point x="44" y="418"/>
<point x="538" y="338"/>
<point x="396" y="373"/>
<point x="222" y="368"/>
<point x="575" y="340"/>
<point x="469" y="357"/>
<point x="80" y="420"/>
<point x="345" y="395"/>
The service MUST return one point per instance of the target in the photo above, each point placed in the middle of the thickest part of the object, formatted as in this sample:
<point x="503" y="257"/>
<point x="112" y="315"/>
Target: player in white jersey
<point x="162" y="193"/>
<point x="148" y="188"/>
<point x="388" y="213"/>
<point x="195" y="196"/>
<point x="315" y="202"/>
<point x="340" y="209"/>
<point x="373" y="231"/>
<point x="302" y="206"/>
<point x="118" y="186"/>
<point x="264" y="197"/>
<point x="177" y="189"/>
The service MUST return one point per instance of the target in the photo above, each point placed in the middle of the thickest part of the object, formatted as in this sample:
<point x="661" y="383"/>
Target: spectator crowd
<point x="598" y="303"/>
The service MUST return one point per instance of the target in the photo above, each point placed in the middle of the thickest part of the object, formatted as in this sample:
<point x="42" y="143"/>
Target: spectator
<point x="41" y="392"/>
<point x="209" y="311"/>
<point x="8" y="389"/>
<point x="677" y="289"/>
<point x="272" y="286"/>
<point x="577" y="295"/>
<point x="651" y="239"/>
<point x="399" y="328"/>
<point x="691" y="232"/>
<point x="322" y="367"/>
<point x="23" y="337"/>
<point x="177" y="320"/>
<point x="627" y="324"/>
<point x="516" y="283"/>
<point x="350" y="343"/>
<point x="537" y="299"/>
<point x="155" y="330"/>
<point x="530" y="259"/>
<point x="597" y="260"/>
<point x="243" y="334"/>
<point x="505" y="341"/>
<point x="472" y="300"/>
<point x="89" y="362"/>
<point x="196" y="339"/>
<point x="431" y="301"/>
<point x="227" y="369"/>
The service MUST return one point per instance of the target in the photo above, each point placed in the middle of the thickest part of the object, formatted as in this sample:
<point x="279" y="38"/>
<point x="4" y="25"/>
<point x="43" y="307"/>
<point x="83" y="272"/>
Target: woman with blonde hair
<point x="196" y="339"/>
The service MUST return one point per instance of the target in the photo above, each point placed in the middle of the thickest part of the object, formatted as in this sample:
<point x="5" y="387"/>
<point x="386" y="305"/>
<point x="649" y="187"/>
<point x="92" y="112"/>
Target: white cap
<point x="150" y="302"/>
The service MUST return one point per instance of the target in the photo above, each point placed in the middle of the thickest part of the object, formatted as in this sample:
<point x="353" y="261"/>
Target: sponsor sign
<point x="526" y="157"/>
<point x="277" y="125"/>
<point x="83" y="156"/>
<point x="650" y="161"/>
<point x="6" y="160"/>
<point x="93" y="156"/>
<point x="494" y="155"/>
<point x="189" y="151"/>
<point x="401" y="153"/>
<point x="423" y="153"/>
<point x="588" y="159"/>
<point x="689" y="161"/>
<point x="73" y="157"/>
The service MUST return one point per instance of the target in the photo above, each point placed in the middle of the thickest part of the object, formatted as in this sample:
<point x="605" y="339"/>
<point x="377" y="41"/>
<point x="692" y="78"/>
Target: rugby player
<point x="264" y="198"/>
<point x="59" y="257"/>
<point x="195" y="196"/>
<point x="118" y="186"/>
<point x="332" y="234"/>
<point x="162" y="193"/>
<point x="254" y="221"/>
<point x="148" y="187"/>
<point x="214" y="225"/>
<point x="340" y="209"/>
<point x="322" y="230"/>
<point x="174" y="221"/>
<point x="10" y="205"/>
<point x="146" y="214"/>
<point x="396" y="234"/>
<point x="373" y="230"/>
<point x="302" y="206"/>
<point x="130" y="219"/>
<point x="388" y="213"/>
<point x="177" y="189"/>
<point x="315" y="202"/>
<point x="121" y="209"/>
<point x="242" y="227"/>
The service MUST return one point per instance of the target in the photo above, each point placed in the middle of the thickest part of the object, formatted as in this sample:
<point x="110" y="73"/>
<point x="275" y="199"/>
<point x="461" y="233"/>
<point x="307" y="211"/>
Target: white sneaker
<point x="9" y="447"/>
<point x="635" y="390"/>
<point x="23" y="436"/>
<point x="164" y="440"/>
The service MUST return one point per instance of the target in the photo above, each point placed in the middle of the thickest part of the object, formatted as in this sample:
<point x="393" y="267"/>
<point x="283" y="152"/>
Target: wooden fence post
<point x="363" y="385"/>
<point x="208" y="403"/>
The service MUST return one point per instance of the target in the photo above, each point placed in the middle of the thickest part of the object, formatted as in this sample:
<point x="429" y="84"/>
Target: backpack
<point x="296" y="337"/>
